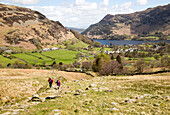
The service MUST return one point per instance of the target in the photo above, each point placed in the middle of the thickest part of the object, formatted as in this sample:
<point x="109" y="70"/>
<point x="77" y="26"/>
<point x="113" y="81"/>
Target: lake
<point x="123" y="42"/>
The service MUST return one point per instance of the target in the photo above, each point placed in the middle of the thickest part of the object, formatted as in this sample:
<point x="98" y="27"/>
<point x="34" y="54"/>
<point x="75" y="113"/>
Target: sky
<point x="83" y="13"/>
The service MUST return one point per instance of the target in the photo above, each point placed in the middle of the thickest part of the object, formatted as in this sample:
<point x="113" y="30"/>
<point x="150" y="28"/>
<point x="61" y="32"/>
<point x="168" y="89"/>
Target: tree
<point x="140" y="65"/>
<point x="109" y="68"/>
<point x="99" y="60"/>
<point x="86" y="65"/>
<point x="118" y="59"/>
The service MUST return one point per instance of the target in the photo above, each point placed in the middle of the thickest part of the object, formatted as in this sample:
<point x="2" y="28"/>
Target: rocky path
<point x="50" y="94"/>
<point x="101" y="95"/>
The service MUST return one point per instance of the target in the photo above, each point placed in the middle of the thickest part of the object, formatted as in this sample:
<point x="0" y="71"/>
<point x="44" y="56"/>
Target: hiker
<point x="50" y="82"/>
<point x="58" y="83"/>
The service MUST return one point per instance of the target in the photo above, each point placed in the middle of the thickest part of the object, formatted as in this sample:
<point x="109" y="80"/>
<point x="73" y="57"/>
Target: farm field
<point x="82" y="94"/>
<point x="64" y="56"/>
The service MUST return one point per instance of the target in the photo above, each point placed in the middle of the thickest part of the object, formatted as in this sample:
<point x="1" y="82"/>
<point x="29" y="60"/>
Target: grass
<point x="147" y="93"/>
<point x="28" y="58"/>
<point x="76" y="43"/>
<point x="65" y="56"/>
<point x="4" y="61"/>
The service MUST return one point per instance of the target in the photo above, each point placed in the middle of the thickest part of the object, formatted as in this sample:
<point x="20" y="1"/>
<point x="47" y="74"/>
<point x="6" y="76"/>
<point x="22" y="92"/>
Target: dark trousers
<point x="50" y="84"/>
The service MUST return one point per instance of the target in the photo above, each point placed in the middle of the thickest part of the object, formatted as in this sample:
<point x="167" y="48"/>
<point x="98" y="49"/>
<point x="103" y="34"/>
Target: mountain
<point x="79" y="30"/>
<point x="28" y="29"/>
<point x="150" y="21"/>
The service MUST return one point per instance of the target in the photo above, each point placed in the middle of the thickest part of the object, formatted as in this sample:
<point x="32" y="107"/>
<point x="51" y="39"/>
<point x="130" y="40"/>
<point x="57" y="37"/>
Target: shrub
<point x="86" y="65"/>
<point x="109" y="68"/>
<point x="140" y="65"/>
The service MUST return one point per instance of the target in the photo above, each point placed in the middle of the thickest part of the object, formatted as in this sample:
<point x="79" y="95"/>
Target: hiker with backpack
<point x="50" y="81"/>
<point x="58" y="84"/>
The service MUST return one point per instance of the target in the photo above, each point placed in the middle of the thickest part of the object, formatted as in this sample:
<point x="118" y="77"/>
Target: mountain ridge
<point x="151" y="20"/>
<point x="23" y="27"/>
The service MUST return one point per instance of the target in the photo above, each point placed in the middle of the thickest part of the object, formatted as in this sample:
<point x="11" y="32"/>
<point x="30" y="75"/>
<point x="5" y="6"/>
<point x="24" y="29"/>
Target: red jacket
<point x="50" y="80"/>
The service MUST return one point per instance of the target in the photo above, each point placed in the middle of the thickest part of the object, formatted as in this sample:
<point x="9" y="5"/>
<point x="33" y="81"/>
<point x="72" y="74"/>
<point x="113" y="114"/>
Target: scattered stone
<point x="86" y="109"/>
<point x="95" y="89"/>
<point x="128" y="101"/>
<point x="108" y="90"/>
<point x="84" y="94"/>
<point x="143" y="113"/>
<point x="114" y="109"/>
<point x="103" y="104"/>
<point x="76" y="80"/>
<point x="35" y="98"/>
<point x="147" y="95"/>
<point x="113" y="103"/>
<point x="36" y="95"/>
<point x="56" y="110"/>
<point x="77" y="94"/>
<point x="87" y="88"/>
<point x="140" y="97"/>
<point x="92" y="85"/>
<point x="156" y="104"/>
<point x="56" y="113"/>
<point x="53" y="97"/>
<point x="156" y="97"/>
<point x="15" y="113"/>
<point x="80" y="91"/>
<point x="7" y="113"/>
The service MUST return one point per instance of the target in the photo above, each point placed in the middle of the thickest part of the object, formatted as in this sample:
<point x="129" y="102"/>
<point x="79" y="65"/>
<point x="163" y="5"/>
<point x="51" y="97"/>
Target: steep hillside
<point x="79" y="30"/>
<point x="28" y="29"/>
<point x="148" y="21"/>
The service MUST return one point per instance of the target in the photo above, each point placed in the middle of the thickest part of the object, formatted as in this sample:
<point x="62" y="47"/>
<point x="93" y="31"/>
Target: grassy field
<point x="4" y="61"/>
<point x="65" y="56"/>
<point x="142" y="94"/>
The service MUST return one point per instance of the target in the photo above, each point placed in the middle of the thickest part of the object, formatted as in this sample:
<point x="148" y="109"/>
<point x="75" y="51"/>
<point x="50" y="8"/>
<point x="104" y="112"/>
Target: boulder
<point x="53" y="97"/>
<point x="35" y="98"/>
<point x="114" y="109"/>
<point x="77" y="94"/>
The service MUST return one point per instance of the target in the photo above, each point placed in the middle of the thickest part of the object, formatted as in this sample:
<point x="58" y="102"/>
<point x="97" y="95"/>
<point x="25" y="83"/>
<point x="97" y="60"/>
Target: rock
<point x="77" y="94"/>
<point x="53" y="97"/>
<point x="15" y="113"/>
<point x="56" y="110"/>
<point x="147" y="95"/>
<point x="113" y="103"/>
<point x="67" y="92"/>
<point x="4" y="99"/>
<point x="95" y="89"/>
<point x="86" y="109"/>
<point x="36" y="96"/>
<point x="56" y="113"/>
<point x="76" y="80"/>
<point x="108" y="90"/>
<point x="84" y="94"/>
<point x="103" y="104"/>
<point x="80" y="91"/>
<point x="114" y="109"/>
<point x="92" y="85"/>
<point x="143" y="113"/>
<point x="7" y="113"/>
<point x="140" y="97"/>
<point x="87" y="88"/>
<point x="156" y="104"/>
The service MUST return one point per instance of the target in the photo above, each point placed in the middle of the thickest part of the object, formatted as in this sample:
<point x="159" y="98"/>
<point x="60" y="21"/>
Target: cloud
<point x="106" y="2"/>
<point x="24" y="2"/>
<point x="81" y="13"/>
<point x="142" y="2"/>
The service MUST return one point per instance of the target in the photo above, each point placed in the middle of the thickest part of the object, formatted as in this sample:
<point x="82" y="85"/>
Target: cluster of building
<point x="49" y="49"/>
<point x="121" y="51"/>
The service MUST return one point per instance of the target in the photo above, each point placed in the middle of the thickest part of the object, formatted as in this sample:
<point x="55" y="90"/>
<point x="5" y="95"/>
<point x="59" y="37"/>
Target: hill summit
<point x="29" y="29"/>
<point x="149" y="21"/>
